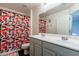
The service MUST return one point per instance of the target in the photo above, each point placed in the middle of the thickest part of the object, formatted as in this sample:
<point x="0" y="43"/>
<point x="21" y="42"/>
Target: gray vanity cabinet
<point x="47" y="52"/>
<point x="60" y="50"/>
<point x="35" y="47"/>
<point x="38" y="50"/>
<point x="43" y="48"/>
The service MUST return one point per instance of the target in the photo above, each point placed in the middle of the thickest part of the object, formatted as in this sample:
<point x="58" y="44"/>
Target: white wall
<point x="35" y="21"/>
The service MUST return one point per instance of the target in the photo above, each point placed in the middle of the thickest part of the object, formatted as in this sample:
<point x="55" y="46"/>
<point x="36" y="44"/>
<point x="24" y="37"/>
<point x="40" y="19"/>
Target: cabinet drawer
<point x="60" y="50"/>
<point x="37" y="41"/>
<point x="47" y="52"/>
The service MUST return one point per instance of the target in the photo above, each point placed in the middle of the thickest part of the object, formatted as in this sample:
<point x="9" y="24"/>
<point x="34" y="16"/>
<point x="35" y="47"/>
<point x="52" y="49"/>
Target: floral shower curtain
<point x="14" y="30"/>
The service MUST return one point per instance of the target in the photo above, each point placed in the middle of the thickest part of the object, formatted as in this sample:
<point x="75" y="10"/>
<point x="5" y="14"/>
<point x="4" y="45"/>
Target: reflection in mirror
<point x="64" y="19"/>
<point x="75" y="23"/>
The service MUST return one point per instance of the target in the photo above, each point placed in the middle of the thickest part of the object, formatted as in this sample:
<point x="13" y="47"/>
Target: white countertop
<point x="70" y="43"/>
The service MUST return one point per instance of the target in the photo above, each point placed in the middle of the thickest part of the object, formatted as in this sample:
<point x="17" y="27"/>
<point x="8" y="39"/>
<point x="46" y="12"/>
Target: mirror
<point x="63" y="21"/>
<point x="75" y="23"/>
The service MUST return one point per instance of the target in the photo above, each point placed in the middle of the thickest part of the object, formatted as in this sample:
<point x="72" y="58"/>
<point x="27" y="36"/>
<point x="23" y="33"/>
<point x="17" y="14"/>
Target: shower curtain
<point x="14" y="30"/>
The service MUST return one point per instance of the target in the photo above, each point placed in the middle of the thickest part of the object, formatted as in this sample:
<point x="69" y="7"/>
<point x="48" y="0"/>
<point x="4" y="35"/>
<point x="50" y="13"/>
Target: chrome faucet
<point x="64" y="38"/>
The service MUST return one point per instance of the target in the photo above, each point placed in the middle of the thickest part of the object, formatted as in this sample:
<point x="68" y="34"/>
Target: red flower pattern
<point x="14" y="30"/>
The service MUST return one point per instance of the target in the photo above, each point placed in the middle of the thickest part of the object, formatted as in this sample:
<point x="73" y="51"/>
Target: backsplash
<point x="14" y="30"/>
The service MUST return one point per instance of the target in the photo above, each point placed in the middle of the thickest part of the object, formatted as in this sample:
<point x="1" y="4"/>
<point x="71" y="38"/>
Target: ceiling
<point x="25" y="7"/>
<point x="20" y="7"/>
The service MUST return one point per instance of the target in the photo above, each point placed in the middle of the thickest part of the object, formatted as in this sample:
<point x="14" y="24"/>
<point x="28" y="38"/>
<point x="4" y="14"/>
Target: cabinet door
<point x="31" y="49"/>
<point x="47" y="52"/>
<point x="38" y="50"/>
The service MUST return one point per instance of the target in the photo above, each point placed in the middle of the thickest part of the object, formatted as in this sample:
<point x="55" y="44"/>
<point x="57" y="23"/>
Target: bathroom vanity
<point x="53" y="46"/>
